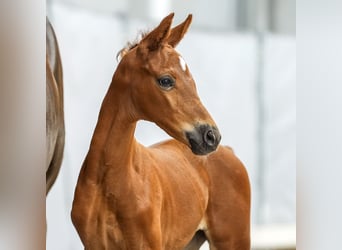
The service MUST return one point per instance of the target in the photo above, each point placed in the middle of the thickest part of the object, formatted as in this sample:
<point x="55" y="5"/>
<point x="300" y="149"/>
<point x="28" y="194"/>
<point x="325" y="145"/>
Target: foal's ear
<point x="158" y="36"/>
<point x="178" y="32"/>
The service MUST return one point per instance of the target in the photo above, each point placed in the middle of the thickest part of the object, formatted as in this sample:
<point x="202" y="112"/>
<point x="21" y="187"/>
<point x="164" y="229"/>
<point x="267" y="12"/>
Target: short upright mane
<point x="131" y="45"/>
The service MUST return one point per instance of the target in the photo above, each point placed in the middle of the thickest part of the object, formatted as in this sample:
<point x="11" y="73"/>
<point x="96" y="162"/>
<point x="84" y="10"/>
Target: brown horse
<point x="173" y="195"/>
<point x="55" y="131"/>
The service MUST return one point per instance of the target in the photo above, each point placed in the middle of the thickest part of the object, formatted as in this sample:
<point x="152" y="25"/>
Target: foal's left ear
<point x="178" y="32"/>
<point x="158" y="36"/>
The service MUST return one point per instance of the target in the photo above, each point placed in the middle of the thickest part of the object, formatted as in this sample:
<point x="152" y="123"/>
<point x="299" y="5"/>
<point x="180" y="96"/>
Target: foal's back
<point x="221" y="187"/>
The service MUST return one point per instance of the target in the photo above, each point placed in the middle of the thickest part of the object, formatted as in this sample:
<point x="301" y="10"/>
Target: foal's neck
<point x="113" y="138"/>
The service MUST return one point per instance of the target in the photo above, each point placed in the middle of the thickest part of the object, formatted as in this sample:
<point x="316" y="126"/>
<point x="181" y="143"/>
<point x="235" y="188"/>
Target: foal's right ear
<point x="158" y="36"/>
<point x="178" y="32"/>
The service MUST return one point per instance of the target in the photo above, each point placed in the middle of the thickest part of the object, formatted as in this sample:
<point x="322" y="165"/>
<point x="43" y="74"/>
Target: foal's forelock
<point x="131" y="45"/>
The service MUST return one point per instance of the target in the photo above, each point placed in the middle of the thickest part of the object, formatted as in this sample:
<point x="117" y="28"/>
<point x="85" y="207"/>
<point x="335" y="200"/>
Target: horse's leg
<point x="142" y="231"/>
<point x="228" y="213"/>
<point x="196" y="242"/>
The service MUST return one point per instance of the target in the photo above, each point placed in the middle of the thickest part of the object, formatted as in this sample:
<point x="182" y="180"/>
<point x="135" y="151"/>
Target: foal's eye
<point x="166" y="82"/>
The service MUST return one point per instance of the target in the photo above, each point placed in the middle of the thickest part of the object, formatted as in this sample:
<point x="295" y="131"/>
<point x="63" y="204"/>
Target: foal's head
<point x="162" y="90"/>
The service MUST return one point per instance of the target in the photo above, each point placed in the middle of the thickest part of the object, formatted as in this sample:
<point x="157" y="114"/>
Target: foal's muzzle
<point x="203" y="139"/>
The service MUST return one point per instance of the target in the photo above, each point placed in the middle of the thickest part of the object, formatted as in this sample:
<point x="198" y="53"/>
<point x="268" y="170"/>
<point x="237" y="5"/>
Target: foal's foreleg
<point x="196" y="242"/>
<point x="142" y="232"/>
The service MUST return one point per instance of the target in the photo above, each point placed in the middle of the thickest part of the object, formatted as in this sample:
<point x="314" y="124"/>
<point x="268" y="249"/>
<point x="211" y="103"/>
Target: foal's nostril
<point x="203" y="139"/>
<point x="210" y="138"/>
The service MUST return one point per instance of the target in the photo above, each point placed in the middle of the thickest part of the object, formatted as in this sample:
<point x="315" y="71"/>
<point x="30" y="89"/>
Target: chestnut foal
<point x="173" y="195"/>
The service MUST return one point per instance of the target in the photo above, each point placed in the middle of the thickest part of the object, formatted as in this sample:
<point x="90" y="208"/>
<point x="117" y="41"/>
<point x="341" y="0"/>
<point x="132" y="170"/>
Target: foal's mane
<point x="131" y="44"/>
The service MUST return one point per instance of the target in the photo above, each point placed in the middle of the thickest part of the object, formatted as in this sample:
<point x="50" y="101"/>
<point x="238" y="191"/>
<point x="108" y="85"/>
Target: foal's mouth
<point x="203" y="139"/>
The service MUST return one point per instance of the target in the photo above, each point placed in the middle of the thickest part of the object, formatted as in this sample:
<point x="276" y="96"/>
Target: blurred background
<point x="242" y="55"/>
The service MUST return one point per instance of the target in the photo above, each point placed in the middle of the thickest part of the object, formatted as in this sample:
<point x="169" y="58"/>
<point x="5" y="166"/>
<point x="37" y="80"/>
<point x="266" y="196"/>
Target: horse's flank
<point x="55" y="131"/>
